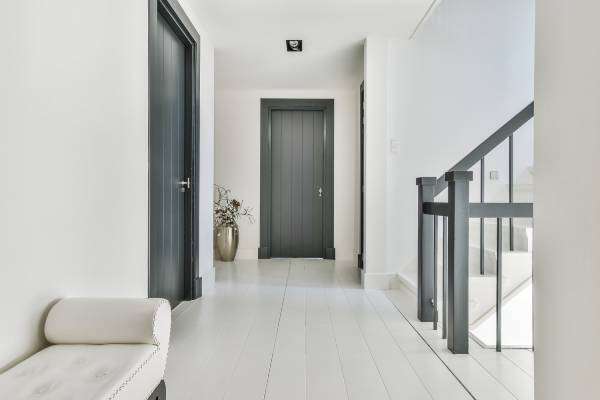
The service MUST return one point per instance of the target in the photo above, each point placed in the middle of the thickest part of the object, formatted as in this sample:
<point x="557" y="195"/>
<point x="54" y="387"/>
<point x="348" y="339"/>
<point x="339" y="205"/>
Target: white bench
<point x="100" y="349"/>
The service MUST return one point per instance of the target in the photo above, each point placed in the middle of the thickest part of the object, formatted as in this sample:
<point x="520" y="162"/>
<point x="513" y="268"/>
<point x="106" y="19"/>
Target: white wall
<point x="207" y="148"/>
<point x="567" y="210"/>
<point x="466" y="72"/>
<point x="73" y="159"/>
<point x="237" y="159"/>
<point x="375" y="274"/>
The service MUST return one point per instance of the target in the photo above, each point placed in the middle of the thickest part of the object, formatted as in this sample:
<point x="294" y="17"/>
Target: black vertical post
<point x="435" y="275"/>
<point x="458" y="260"/>
<point x="511" y="193"/>
<point x="444" y="277"/>
<point x="499" y="285"/>
<point x="426" y="187"/>
<point x="482" y="221"/>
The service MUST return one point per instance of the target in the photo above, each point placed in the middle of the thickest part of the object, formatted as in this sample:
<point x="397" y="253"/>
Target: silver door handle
<point x="320" y="192"/>
<point x="185" y="185"/>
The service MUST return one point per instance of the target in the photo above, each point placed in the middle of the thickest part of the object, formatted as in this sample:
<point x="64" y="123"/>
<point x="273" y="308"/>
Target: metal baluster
<point x="499" y="285"/>
<point x="444" y="277"/>
<point x="435" y="272"/>
<point x="482" y="221"/>
<point x="511" y="234"/>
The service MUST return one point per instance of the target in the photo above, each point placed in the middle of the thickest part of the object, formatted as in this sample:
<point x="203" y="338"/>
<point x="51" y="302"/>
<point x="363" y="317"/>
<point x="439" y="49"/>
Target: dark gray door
<point x="297" y="165"/>
<point x="168" y="193"/>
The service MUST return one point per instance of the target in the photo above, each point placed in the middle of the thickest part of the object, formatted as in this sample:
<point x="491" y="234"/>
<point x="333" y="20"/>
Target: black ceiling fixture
<point x="293" y="45"/>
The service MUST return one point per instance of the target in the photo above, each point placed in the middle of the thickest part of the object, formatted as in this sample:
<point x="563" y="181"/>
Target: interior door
<point x="169" y="182"/>
<point x="297" y="165"/>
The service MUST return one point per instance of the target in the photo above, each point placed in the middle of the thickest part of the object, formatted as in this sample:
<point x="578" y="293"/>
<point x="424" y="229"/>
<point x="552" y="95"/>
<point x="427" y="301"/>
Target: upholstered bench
<point x="101" y="349"/>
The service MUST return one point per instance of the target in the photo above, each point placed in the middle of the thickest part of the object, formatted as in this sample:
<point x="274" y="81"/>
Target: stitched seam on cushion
<point x="146" y="361"/>
<point x="154" y="337"/>
<point x="133" y="374"/>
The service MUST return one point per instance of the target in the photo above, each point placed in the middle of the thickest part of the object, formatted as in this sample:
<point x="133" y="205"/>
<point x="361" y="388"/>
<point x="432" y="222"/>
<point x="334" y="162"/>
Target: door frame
<point x="266" y="108"/>
<point x="361" y="233"/>
<point x="172" y="11"/>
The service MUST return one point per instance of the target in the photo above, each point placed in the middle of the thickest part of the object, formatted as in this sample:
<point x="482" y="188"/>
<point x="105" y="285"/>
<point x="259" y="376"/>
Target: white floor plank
<point x="398" y="375"/>
<point x="303" y="329"/>
<point x="486" y="374"/>
<point x="325" y="379"/>
<point x="522" y="358"/>
<point x="438" y="380"/>
<point x="362" y="378"/>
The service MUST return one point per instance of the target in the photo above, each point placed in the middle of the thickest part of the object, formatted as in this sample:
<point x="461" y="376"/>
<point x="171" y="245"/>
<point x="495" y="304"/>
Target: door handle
<point x="185" y="185"/>
<point x="320" y="192"/>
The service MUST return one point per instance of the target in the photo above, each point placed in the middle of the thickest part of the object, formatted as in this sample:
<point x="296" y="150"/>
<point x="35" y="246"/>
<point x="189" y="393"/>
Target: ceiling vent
<point x="293" y="45"/>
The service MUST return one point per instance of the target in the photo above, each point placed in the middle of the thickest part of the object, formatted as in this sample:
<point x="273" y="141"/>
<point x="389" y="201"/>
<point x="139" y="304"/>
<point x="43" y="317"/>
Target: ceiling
<point x="249" y="38"/>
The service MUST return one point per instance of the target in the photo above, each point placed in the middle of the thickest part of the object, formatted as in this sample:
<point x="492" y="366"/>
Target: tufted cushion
<point x="106" y="349"/>
<point x="104" y="321"/>
<point x="85" y="372"/>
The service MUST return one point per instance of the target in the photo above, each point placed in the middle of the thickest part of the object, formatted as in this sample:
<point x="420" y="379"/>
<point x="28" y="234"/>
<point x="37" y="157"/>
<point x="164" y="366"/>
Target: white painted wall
<point x="375" y="274"/>
<point x="567" y="210"/>
<point x="237" y="159"/>
<point x="207" y="147"/>
<point x="466" y="72"/>
<point x="74" y="159"/>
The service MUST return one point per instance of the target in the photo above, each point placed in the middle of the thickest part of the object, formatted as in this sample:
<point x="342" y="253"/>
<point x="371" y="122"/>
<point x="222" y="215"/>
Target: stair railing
<point x="456" y="213"/>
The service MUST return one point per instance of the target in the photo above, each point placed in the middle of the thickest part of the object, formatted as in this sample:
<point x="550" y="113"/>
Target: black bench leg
<point x="160" y="393"/>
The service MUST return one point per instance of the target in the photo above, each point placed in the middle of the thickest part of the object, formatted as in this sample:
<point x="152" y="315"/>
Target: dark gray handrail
<point x="484" y="210"/>
<point x="504" y="132"/>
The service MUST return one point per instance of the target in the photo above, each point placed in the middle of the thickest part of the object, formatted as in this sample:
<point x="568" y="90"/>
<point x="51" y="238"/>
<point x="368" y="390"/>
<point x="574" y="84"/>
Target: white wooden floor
<point x="303" y="329"/>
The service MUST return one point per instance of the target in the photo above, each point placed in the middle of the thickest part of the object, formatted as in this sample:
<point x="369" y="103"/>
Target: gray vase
<point x="227" y="239"/>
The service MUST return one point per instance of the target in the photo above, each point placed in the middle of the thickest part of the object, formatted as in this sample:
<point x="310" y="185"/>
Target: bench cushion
<point x="109" y="321"/>
<point x="86" y="372"/>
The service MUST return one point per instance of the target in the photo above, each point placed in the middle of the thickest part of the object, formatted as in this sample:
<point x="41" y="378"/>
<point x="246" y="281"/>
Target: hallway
<point x="303" y="329"/>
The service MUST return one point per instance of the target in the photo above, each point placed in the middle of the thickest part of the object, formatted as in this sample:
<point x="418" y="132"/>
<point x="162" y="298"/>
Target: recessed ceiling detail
<point x="294" y="45"/>
<point x="248" y="38"/>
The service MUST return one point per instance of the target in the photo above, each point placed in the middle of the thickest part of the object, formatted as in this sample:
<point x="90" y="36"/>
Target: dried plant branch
<point x="227" y="210"/>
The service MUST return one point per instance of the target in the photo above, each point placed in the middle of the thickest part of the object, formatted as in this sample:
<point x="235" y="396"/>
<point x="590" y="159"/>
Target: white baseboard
<point x="247" y="254"/>
<point x="208" y="280"/>
<point x="377" y="280"/>
<point x="401" y="281"/>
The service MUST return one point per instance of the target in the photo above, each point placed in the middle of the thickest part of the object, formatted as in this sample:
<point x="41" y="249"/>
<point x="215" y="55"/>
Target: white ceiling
<point x="249" y="38"/>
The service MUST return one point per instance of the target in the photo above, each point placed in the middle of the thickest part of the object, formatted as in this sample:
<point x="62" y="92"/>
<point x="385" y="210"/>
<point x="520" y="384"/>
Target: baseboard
<point x="330" y="253"/>
<point x="208" y="280"/>
<point x="248" y="253"/>
<point x="197" y="288"/>
<point x="264" y="253"/>
<point x="402" y="282"/>
<point x="380" y="281"/>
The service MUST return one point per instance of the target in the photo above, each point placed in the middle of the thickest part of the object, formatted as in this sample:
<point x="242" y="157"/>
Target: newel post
<point x="425" y="311"/>
<point x="458" y="260"/>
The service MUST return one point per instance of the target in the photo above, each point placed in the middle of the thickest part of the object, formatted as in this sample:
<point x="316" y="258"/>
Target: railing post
<point x="435" y="275"/>
<point x="499" y="284"/>
<point x="425" y="309"/>
<point x="445" y="278"/>
<point x="458" y="260"/>
<point x="482" y="221"/>
<point x="511" y="190"/>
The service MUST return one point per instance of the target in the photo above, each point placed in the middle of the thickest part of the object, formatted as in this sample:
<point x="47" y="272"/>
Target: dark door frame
<point x="361" y="244"/>
<point x="172" y="12"/>
<point x="266" y="107"/>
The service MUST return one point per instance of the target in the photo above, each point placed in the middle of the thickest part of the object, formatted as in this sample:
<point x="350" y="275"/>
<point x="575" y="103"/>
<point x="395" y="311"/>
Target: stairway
<point x="471" y="297"/>
<point x="517" y="329"/>
<point x="516" y="284"/>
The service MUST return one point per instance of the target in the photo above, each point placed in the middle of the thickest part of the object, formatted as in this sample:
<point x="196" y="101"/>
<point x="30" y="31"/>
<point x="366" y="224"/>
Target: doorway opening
<point x="296" y="183"/>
